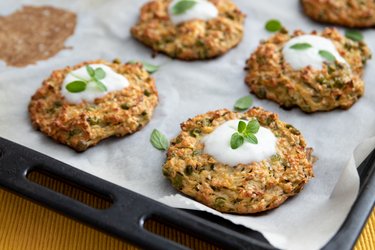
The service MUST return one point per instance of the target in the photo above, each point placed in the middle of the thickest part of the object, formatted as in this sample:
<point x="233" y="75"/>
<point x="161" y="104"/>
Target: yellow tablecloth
<point x="26" y="225"/>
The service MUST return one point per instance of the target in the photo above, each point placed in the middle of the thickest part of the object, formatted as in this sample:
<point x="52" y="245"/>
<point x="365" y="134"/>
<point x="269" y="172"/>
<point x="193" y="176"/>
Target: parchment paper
<point x="186" y="89"/>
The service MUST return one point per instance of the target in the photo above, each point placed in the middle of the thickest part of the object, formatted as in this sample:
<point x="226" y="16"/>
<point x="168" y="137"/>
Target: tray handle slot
<point x="70" y="189"/>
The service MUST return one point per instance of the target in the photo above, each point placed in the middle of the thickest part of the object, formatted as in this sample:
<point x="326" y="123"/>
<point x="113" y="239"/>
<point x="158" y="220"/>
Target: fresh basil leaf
<point x="354" y="35"/>
<point x="158" y="140"/>
<point x="99" y="73"/>
<point x="327" y="55"/>
<point x="182" y="6"/>
<point x="241" y="126"/>
<point x="100" y="85"/>
<point x="251" y="138"/>
<point x="243" y="103"/>
<point x="150" y="68"/>
<point x="273" y="25"/>
<point x="236" y="141"/>
<point x="76" y="86"/>
<point x="301" y="46"/>
<point x="90" y="70"/>
<point x="252" y="127"/>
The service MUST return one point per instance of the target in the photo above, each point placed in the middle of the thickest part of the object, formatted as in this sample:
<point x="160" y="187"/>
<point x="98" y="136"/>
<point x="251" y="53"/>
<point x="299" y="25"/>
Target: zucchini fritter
<point x="244" y="188"/>
<point x="350" y="13"/>
<point x="335" y="86"/>
<point x="83" y="125"/>
<point x="192" y="40"/>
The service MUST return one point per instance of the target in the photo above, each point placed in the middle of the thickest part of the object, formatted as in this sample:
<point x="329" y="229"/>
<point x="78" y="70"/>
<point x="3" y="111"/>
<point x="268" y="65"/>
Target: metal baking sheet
<point x="129" y="210"/>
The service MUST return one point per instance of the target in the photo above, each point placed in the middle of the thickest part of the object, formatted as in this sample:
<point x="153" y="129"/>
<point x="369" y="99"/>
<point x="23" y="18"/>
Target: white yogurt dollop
<point x="112" y="81"/>
<point x="203" y="10"/>
<point x="217" y="144"/>
<point x="299" y="59"/>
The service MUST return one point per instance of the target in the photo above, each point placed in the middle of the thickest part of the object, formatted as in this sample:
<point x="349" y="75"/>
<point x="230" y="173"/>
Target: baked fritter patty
<point x="85" y="124"/>
<point x="335" y="86"/>
<point x="244" y="188"/>
<point x="192" y="40"/>
<point x="350" y="13"/>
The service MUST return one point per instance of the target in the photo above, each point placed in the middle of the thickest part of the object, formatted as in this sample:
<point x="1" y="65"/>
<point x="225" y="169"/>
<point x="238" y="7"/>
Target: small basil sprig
<point x="150" y="68"/>
<point x="273" y="25"/>
<point x="301" y="46"/>
<point x="243" y="103"/>
<point x="95" y="76"/>
<point x="158" y="140"/>
<point x="354" y="35"/>
<point x="182" y="6"/>
<point x="327" y="55"/>
<point x="245" y="132"/>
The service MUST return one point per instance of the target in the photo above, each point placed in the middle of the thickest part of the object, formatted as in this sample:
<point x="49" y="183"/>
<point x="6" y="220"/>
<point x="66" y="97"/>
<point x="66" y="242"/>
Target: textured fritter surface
<point x="85" y="124"/>
<point x="245" y="188"/>
<point x="351" y="13"/>
<point x="192" y="40"/>
<point x="335" y="86"/>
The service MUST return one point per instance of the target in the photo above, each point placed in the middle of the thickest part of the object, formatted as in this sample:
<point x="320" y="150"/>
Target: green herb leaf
<point x="327" y="55"/>
<point x="243" y="103"/>
<point x="99" y="73"/>
<point x="150" y="68"/>
<point x="100" y="85"/>
<point x="251" y="138"/>
<point x="90" y="70"/>
<point x="182" y="6"/>
<point x="241" y="126"/>
<point x="245" y="132"/>
<point x="158" y="140"/>
<point x="301" y="46"/>
<point x="76" y="86"/>
<point x="236" y="141"/>
<point x="95" y="76"/>
<point x="354" y="35"/>
<point x="252" y="127"/>
<point x="273" y="25"/>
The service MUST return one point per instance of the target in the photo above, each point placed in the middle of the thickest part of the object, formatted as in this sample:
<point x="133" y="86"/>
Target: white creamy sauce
<point x="217" y="144"/>
<point x="203" y="10"/>
<point x="299" y="59"/>
<point x="112" y="81"/>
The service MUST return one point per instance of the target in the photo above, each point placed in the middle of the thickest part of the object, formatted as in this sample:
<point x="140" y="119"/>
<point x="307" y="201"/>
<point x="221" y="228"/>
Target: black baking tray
<point x="129" y="210"/>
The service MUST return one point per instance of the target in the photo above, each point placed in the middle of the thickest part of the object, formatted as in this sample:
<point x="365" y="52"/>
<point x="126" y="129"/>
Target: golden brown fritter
<point x="85" y="124"/>
<point x="350" y="13"/>
<point x="335" y="86"/>
<point x="192" y="40"/>
<point x="244" y="188"/>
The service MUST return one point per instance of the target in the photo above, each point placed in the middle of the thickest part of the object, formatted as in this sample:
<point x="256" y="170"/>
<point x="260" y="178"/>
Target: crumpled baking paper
<point x="186" y="89"/>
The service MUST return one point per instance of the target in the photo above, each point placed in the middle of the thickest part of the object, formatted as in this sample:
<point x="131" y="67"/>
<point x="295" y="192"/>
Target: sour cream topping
<point x="112" y="81"/>
<point x="217" y="144"/>
<point x="299" y="59"/>
<point x="203" y="10"/>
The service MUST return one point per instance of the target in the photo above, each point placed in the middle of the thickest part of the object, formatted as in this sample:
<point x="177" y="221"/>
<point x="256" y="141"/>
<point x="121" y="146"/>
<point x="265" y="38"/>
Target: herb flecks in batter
<point x="245" y="132"/>
<point x="273" y="25"/>
<point x="327" y="55"/>
<point x="301" y="46"/>
<point x="243" y="103"/>
<point x="95" y="76"/>
<point x="354" y="35"/>
<point x="182" y="6"/>
<point x="150" y="68"/>
<point x="158" y="140"/>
